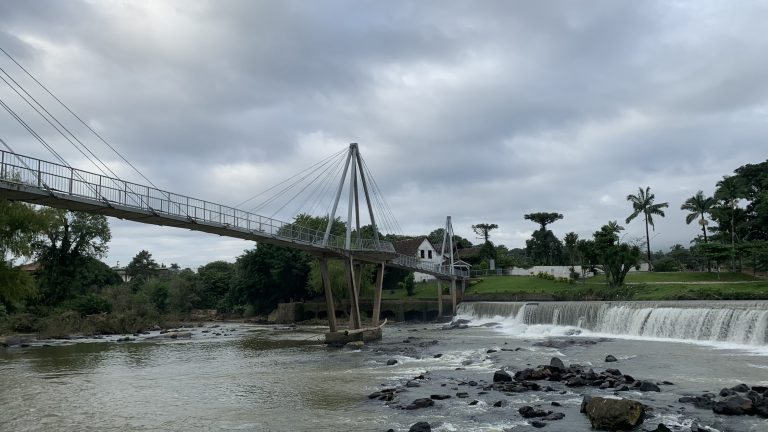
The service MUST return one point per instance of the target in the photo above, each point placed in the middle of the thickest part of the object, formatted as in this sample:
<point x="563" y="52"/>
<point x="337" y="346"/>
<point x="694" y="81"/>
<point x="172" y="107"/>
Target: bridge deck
<point x="36" y="181"/>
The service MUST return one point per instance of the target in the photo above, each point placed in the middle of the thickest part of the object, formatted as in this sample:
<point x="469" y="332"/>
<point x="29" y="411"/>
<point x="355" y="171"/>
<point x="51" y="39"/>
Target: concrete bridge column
<point x="439" y="298"/>
<point x="354" y="319"/>
<point x="377" y="295"/>
<point x="453" y="296"/>
<point x="330" y="309"/>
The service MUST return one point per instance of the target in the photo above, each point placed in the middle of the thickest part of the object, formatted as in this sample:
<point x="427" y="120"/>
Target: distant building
<point x="424" y="250"/>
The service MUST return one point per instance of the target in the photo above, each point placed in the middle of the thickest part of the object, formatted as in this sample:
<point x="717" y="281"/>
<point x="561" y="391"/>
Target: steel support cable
<point x="387" y="211"/>
<point x="288" y="179"/>
<point x="304" y="188"/>
<point x="330" y="181"/>
<point x="117" y="185"/>
<point x="78" y="118"/>
<point x="287" y="188"/>
<point x="312" y="194"/>
<point x="315" y="195"/>
<point x="115" y="178"/>
<point x="46" y="145"/>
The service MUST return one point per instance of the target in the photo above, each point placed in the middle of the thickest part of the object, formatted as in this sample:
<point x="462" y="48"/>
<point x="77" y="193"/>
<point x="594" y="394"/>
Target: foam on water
<point x="727" y="325"/>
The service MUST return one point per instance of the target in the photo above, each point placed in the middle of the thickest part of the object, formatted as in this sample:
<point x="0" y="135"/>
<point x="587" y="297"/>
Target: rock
<point x="437" y="356"/>
<point x="761" y="408"/>
<point x="462" y="395"/>
<point x="472" y="383"/>
<point x="584" y="402"/>
<point x="412" y="384"/>
<point x="613" y="414"/>
<point x="501" y="376"/>
<point x="420" y="403"/>
<point x="474" y="402"/>
<point x="354" y="344"/>
<point x="610" y="359"/>
<point x="733" y="405"/>
<point x="557" y="404"/>
<point x="491" y="351"/>
<point x="531" y="412"/>
<point x="439" y="397"/>
<point x="662" y="428"/>
<point x="741" y="388"/>
<point x="391" y="362"/>
<point x="725" y="392"/>
<point x="646" y="386"/>
<point x="556" y="362"/>
<point x="554" y="416"/>
<point x="538" y="424"/>
<point x="420" y="427"/>
<point x="500" y="404"/>
<point x="576" y="381"/>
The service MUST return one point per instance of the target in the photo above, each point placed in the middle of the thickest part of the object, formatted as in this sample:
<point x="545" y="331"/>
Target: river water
<point x="272" y="378"/>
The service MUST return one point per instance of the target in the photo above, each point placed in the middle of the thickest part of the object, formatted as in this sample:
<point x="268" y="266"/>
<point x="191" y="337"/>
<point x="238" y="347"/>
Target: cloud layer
<point x="483" y="111"/>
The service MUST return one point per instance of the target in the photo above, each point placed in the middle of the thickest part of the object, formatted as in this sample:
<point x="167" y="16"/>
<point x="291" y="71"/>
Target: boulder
<point x="740" y="388"/>
<point x="420" y="427"/>
<point x="613" y="414"/>
<point x="761" y="408"/>
<point x="576" y="381"/>
<point x="531" y="412"/>
<point x="733" y="405"/>
<point x="647" y="386"/>
<point x="391" y="362"/>
<point x="554" y="416"/>
<point x="439" y="397"/>
<point x="500" y="404"/>
<point x="556" y="362"/>
<point x="662" y="428"/>
<point x="501" y="376"/>
<point x="420" y="403"/>
<point x="610" y="359"/>
<point x="538" y="424"/>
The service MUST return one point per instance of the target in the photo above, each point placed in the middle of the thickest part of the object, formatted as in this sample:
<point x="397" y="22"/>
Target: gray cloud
<point x="484" y="111"/>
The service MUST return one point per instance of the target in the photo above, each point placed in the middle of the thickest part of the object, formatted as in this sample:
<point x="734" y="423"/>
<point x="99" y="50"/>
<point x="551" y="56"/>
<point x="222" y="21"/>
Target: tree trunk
<point x="648" y="244"/>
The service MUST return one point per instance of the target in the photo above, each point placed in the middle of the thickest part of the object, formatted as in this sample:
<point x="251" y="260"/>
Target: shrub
<point x="90" y="304"/>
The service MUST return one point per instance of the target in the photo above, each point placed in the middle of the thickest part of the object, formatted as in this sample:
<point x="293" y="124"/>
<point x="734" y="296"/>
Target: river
<point x="279" y="378"/>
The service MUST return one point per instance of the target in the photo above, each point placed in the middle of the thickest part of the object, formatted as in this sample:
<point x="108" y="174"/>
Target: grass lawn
<point x="640" y="286"/>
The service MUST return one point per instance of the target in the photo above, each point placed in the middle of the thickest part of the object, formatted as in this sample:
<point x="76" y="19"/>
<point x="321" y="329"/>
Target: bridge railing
<point x="417" y="264"/>
<point x="29" y="171"/>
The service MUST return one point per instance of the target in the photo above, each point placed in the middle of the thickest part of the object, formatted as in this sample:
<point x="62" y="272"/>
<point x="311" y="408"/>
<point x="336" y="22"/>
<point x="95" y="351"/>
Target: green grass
<point x="640" y="286"/>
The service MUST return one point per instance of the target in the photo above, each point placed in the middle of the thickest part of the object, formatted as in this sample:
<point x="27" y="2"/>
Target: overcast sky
<point x="480" y="110"/>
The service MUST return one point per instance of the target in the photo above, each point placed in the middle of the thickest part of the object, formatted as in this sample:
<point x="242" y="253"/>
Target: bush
<point x="23" y="323"/>
<point x="90" y="304"/>
<point x="409" y="285"/>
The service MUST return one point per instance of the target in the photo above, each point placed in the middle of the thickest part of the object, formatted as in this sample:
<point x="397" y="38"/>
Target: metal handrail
<point x="66" y="180"/>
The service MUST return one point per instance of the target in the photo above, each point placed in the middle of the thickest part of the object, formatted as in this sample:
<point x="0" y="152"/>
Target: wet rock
<point x="437" y="356"/>
<point x="491" y="351"/>
<point x="462" y="395"/>
<point x="733" y="405"/>
<point x="501" y="376"/>
<point x="556" y="362"/>
<point x="420" y="403"/>
<point x="741" y="388"/>
<point x="391" y="362"/>
<point x="610" y="359"/>
<point x="531" y="412"/>
<point x="412" y="384"/>
<point x="727" y="392"/>
<point x="761" y="408"/>
<point x="439" y="397"/>
<point x="662" y="428"/>
<point x="613" y="414"/>
<point x="354" y="344"/>
<point x="647" y="386"/>
<point x="556" y="404"/>
<point x="420" y="427"/>
<point x="500" y="404"/>
<point x="538" y="424"/>
<point x="472" y="383"/>
<point x="576" y="381"/>
<point x="554" y="416"/>
<point x="474" y="402"/>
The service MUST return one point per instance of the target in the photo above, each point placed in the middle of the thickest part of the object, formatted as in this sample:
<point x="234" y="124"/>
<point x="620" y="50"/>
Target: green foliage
<point x="89" y="304"/>
<point x="436" y="237"/>
<point x="543" y="218"/>
<point x="643" y="203"/>
<point x="20" y="225"/>
<point x="156" y="291"/>
<point x="141" y="268"/>
<point x="698" y="207"/>
<point x="408" y="284"/>
<point x="216" y="278"/>
<point x="484" y="230"/>
<point x="544" y="248"/>
<point x="570" y="240"/>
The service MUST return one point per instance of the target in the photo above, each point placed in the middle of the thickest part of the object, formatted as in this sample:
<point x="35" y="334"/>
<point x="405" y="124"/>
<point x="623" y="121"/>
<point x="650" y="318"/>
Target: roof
<point x="411" y="246"/>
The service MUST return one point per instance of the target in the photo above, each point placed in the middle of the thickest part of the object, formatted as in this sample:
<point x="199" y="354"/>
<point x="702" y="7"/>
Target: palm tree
<point x="643" y="203"/>
<point x="698" y="206"/>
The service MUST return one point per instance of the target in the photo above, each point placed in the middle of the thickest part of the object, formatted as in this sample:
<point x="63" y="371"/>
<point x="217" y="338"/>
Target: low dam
<point x="737" y="322"/>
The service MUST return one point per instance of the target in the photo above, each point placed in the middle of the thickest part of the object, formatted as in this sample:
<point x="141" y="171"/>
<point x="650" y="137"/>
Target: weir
<point x="739" y="322"/>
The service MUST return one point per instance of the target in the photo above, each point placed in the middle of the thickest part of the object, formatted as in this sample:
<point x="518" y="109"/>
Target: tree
<point x="543" y="218"/>
<point x="729" y="190"/>
<point x="215" y="277"/>
<point x="643" y="203"/>
<point x="69" y="252"/>
<point x="484" y="230"/>
<point x="716" y="252"/>
<point x="616" y="258"/>
<point x="20" y="225"/>
<point x="436" y="237"/>
<point x="699" y="207"/>
<point x="141" y="268"/>
<point x="570" y="240"/>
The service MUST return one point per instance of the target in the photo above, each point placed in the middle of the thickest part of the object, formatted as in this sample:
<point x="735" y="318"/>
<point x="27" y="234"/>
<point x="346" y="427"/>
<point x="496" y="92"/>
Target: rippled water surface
<point x="259" y="378"/>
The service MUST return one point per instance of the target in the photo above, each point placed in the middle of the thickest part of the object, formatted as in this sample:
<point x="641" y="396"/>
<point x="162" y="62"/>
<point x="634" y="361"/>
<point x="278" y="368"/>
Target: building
<point x="424" y="250"/>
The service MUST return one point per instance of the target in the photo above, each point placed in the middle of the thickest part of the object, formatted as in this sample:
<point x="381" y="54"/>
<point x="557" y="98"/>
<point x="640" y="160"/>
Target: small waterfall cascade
<point x="740" y="322"/>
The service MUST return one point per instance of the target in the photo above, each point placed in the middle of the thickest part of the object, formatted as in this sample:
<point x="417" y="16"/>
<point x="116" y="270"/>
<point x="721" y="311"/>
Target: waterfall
<point x="740" y="322"/>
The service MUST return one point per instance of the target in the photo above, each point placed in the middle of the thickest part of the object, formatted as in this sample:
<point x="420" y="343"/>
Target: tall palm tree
<point x="698" y="206"/>
<point x="643" y="203"/>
